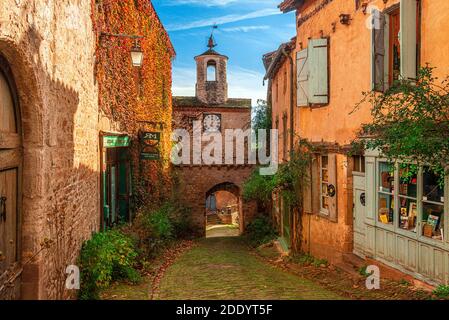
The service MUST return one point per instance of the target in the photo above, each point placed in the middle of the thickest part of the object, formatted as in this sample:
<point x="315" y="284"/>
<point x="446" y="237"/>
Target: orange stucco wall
<point x="349" y="76"/>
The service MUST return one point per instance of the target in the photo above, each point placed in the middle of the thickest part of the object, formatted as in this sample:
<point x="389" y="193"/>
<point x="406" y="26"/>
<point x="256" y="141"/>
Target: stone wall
<point x="50" y="46"/>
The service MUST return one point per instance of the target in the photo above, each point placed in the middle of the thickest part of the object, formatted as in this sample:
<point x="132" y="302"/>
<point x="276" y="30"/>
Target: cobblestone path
<point x="224" y="268"/>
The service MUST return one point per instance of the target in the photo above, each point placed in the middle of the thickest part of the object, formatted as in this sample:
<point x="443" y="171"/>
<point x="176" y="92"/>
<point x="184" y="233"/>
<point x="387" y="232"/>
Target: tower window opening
<point x="211" y="71"/>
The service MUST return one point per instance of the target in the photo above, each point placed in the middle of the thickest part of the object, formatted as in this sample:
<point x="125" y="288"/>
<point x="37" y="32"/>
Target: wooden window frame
<point x="418" y="235"/>
<point x="323" y="211"/>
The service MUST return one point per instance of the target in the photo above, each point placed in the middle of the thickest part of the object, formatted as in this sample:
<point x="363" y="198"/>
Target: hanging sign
<point x="150" y="142"/>
<point x="116" y="141"/>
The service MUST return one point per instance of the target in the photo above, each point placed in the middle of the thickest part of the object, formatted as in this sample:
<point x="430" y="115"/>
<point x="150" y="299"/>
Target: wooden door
<point x="286" y="222"/>
<point x="10" y="173"/>
<point x="359" y="215"/>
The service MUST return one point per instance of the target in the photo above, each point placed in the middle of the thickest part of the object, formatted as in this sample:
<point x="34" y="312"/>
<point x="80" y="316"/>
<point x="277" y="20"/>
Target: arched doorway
<point x="10" y="185"/>
<point x="223" y="211"/>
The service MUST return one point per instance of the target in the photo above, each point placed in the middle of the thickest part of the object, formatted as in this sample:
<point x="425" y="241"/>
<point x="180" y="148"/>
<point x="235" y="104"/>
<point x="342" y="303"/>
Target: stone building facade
<point x="215" y="113"/>
<point x="50" y="149"/>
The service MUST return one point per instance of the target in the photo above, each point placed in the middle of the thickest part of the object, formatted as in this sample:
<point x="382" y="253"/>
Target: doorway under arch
<point x="10" y="185"/>
<point x="223" y="210"/>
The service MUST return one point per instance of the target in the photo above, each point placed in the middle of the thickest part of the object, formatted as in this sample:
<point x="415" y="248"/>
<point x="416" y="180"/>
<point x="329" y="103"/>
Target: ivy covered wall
<point x="133" y="99"/>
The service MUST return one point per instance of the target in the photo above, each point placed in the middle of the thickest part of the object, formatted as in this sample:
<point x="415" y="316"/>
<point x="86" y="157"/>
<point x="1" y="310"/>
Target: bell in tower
<point x="211" y="84"/>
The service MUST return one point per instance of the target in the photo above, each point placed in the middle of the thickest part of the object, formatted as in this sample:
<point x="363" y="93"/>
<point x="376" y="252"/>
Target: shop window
<point x="433" y="204"/>
<point x="324" y="184"/>
<point x="408" y="181"/>
<point x="386" y="207"/>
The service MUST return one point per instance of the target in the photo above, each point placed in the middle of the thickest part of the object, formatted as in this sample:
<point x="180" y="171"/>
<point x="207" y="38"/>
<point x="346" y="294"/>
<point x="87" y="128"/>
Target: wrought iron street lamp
<point x="136" y="50"/>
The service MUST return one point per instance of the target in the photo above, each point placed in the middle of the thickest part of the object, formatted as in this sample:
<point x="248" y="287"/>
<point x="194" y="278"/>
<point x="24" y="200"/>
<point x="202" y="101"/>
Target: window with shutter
<point x="302" y="78"/>
<point x="318" y="71"/>
<point x="409" y="38"/>
<point x="378" y="50"/>
<point x="307" y="199"/>
<point x="395" y="44"/>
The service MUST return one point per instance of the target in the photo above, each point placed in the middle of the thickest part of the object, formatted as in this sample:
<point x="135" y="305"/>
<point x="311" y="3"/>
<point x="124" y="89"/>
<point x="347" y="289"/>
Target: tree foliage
<point x="410" y="121"/>
<point x="290" y="179"/>
<point x="262" y="116"/>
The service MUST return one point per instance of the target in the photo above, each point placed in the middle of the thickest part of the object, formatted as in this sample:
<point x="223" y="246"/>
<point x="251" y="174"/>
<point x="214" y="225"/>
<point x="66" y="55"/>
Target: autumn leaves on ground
<point x="228" y="268"/>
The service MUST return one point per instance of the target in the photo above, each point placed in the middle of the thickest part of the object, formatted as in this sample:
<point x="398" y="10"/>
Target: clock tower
<point x="213" y="181"/>
<point x="211" y="69"/>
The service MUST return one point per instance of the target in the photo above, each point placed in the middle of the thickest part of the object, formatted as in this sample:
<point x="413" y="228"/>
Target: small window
<point x="386" y="193"/>
<point x="211" y="71"/>
<point x="358" y="164"/>
<point x="433" y="204"/>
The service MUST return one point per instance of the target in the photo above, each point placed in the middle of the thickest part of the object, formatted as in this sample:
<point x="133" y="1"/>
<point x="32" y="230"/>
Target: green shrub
<point x="158" y="223"/>
<point x="260" y="231"/>
<point x="363" y="271"/>
<point x="181" y="219"/>
<point x="108" y="256"/>
<point x="259" y="188"/>
<point x="442" y="292"/>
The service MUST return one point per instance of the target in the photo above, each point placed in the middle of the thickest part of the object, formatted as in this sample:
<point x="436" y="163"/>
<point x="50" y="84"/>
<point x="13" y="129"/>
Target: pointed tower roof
<point x="212" y="44"/>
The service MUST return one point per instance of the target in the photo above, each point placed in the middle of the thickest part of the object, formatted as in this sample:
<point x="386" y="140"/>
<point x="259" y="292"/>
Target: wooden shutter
<point x="332" y="165"/>
<point x="378" y="50"/>
<point x="307" y="201"/>
<point x="408" y="38"/>
<point x="318" y="67"/>
<point x="302" y="67"/>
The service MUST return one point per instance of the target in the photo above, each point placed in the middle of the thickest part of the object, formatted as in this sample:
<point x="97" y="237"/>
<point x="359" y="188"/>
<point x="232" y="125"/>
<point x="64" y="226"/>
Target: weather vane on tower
<point x="212" y="44"/>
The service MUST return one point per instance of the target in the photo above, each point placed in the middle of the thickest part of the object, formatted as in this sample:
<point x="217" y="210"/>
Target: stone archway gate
<point x="197" y="181"/>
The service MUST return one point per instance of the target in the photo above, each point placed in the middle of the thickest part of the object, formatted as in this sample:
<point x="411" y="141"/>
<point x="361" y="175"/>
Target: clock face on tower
<point x="212" y="122"/>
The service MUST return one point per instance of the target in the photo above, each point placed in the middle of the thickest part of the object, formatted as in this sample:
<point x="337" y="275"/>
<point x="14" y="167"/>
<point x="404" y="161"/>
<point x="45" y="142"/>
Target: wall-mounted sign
<point x="150" y="142"/>
<point x="116" y="141"/>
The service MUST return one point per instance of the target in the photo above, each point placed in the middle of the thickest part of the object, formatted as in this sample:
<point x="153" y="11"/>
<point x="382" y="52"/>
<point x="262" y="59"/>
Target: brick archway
<point x="199" y="181"/>
<point x="227" y="198"/>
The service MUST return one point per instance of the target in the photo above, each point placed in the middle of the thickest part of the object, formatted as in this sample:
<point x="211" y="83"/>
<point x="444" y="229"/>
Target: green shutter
<point x="408" y="38"/>
<point x="318" y="66"/>
<point x="302" y="67"/>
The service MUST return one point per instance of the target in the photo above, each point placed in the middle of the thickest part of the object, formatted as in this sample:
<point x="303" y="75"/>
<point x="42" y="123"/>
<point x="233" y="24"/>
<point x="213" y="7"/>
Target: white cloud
<point x="217" y="3"/>
<point x="243" y="83"/>
<point x="223" y="19"/>
<point x="244" y="28"/>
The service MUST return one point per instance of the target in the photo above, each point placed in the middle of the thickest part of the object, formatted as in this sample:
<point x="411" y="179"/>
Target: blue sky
<point x="247" y="30"/>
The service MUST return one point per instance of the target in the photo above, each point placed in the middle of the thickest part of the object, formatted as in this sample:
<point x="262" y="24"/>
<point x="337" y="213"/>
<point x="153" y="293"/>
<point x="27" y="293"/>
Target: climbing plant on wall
<point x="410" y="121"/>
<point x="136" y="99"/>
